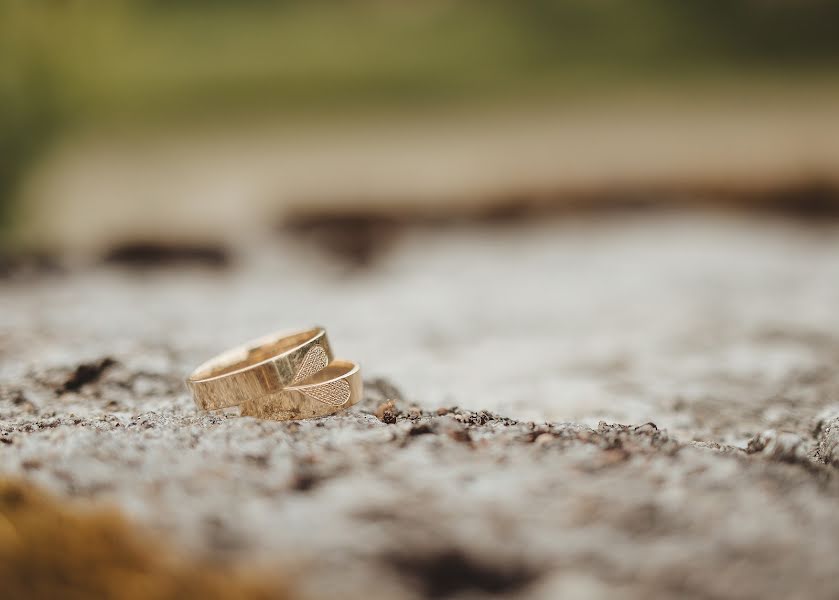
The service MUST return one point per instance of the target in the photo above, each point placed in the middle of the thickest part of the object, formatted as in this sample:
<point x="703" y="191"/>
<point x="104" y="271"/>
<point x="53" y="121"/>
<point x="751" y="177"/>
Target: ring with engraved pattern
<point x="334" y="388"/>
<point x="259" y="368"/>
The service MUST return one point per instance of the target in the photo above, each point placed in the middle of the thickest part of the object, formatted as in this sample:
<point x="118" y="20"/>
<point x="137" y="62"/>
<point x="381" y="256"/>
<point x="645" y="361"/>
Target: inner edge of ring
<point x="195" y="377"/>
<point x="353" y="368"/>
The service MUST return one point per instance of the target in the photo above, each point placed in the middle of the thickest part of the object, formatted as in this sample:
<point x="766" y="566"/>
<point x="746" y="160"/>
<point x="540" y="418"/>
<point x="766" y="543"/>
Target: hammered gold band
<point x="259" y="368"/>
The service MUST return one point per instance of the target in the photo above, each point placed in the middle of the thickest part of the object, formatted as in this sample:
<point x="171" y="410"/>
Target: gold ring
<point x="259" y="368"/>
<point x="331" y="389"/>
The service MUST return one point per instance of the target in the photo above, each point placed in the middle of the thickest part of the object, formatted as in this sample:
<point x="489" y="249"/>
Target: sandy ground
<point x="709" y="345"/>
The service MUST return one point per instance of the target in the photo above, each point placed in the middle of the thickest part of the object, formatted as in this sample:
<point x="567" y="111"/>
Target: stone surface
<point x="579" y="408"/>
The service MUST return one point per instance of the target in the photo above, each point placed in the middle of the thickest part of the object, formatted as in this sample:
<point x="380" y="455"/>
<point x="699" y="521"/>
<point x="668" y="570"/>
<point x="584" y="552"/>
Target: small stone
<point x="386" y="412"/>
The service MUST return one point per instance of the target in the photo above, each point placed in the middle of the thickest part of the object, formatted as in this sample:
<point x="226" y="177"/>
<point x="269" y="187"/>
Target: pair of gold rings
<point x="281" y="376"/>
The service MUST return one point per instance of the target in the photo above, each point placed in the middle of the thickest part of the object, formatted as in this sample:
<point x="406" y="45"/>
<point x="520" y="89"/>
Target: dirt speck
<point x="156" y="254"/>
<point x="355" y="239"/>
<point x="452" y="572"/>
<point x="304" y="480"/>
<point x="422" y="429"/>
<point x="86" y="373"/>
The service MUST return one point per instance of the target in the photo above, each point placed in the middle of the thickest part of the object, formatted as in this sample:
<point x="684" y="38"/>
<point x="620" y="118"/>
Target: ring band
<point x="258" y="368"/>
<point x="331" y="389"/>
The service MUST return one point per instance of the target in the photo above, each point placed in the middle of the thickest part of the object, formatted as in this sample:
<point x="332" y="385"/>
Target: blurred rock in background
<point x="195" y="121"/>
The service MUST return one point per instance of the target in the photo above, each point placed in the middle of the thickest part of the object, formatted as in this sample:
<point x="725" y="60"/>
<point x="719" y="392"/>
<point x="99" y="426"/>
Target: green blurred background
<point x="73" y="66"/>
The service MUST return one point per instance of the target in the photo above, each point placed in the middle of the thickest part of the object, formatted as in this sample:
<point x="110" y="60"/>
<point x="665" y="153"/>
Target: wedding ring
<point x="331" y="389"/>
<point x="260" y="368"/>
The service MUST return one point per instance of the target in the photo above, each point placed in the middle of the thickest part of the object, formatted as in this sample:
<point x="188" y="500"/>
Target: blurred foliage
<point x="81" y="63"/>
<point x="50" y="550"/>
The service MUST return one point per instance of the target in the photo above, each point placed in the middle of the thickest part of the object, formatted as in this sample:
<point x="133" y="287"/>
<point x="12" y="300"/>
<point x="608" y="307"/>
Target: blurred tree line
<point x="75" y="64"/>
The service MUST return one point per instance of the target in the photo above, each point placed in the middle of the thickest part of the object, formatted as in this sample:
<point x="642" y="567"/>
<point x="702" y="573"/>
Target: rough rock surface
<point x="486" y="457"/>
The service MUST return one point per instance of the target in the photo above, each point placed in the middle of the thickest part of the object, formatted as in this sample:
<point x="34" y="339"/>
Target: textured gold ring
<point x="331" y="389"/>
<point x="259" y="368"/>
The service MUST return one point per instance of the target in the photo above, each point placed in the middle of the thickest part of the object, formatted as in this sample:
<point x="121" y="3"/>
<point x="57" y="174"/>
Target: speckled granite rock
<point x="715" y="344"/>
